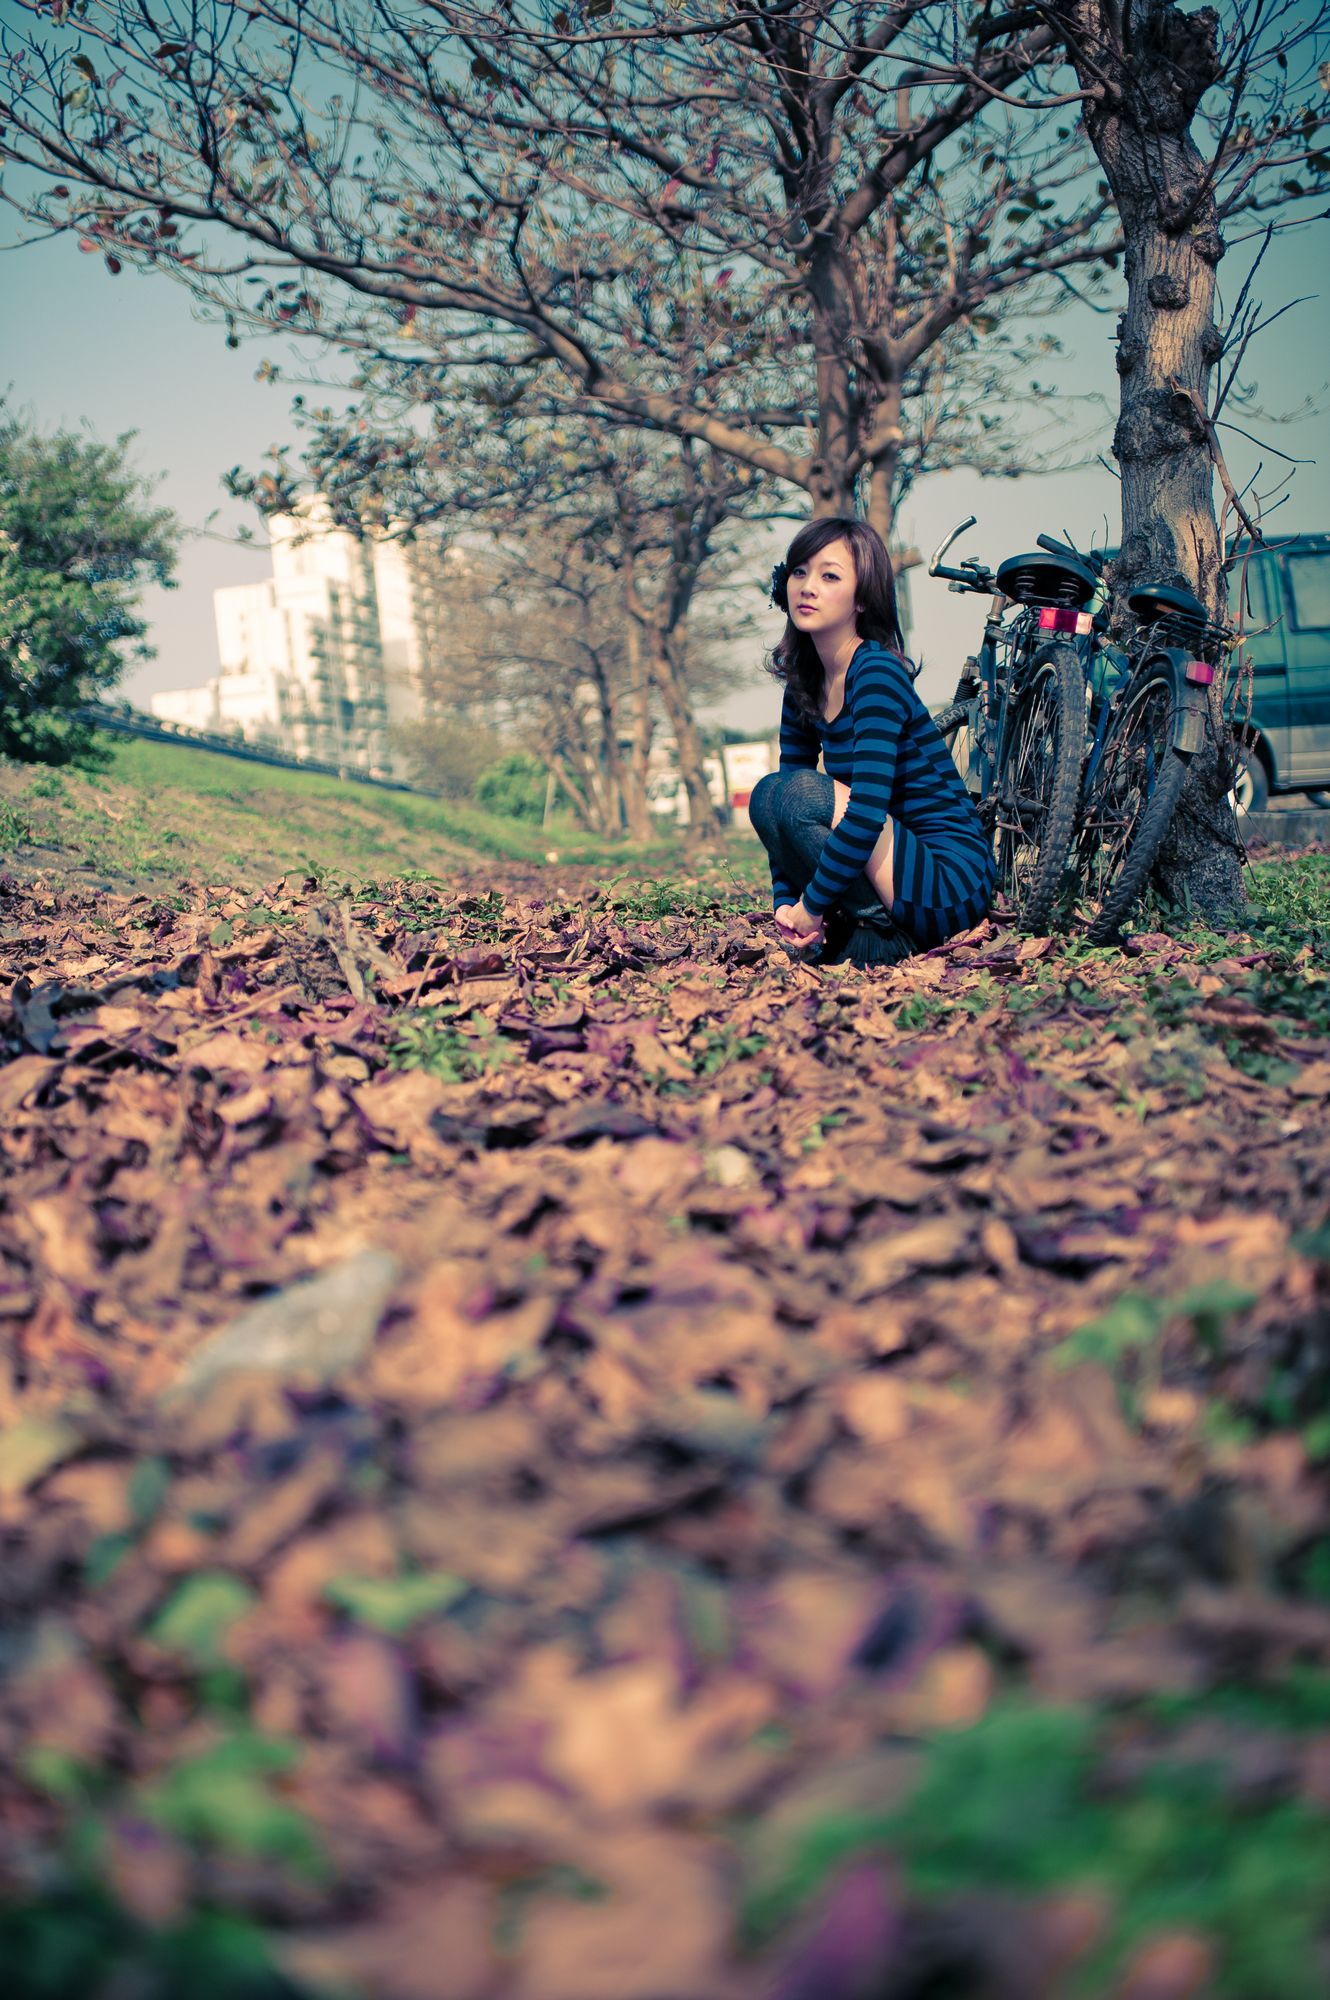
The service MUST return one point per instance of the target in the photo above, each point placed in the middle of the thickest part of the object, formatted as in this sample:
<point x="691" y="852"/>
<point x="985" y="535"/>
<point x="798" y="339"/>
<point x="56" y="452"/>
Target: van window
<point x="1309" y="587"/>
<point x="1262" y="615"/>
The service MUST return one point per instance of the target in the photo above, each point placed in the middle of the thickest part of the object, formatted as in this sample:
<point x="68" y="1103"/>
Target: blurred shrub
<point x="514" y="787"/>
<point x="448" y="758"/>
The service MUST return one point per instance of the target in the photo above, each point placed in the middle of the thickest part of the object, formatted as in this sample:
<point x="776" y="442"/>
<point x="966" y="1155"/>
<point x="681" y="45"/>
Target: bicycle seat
<point x="1154" y="602"/>
<point x="1045" y="579"/>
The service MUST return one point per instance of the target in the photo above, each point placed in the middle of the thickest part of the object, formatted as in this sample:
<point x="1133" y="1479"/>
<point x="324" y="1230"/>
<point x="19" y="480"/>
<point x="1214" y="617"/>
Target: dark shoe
<point x="878" y="941"/>
<point x="837" y="930"/>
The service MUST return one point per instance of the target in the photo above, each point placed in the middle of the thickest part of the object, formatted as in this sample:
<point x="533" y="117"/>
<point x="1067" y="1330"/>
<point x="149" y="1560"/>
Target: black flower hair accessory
<point x="780" y="577"/>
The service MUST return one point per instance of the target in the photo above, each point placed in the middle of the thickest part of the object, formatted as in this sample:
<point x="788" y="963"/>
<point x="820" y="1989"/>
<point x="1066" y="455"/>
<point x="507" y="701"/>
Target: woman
<point x="885" y="844"/>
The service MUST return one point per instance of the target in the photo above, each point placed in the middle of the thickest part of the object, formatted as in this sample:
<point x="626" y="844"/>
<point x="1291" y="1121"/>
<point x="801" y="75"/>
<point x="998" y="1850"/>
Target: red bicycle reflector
<point x="1053" y="618"/>
<point x="1200" y="672"/>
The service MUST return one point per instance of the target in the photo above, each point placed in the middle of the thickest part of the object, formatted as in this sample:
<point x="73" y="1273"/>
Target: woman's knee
<point x="764" y="803"/>
<point x="790" y="798"/>
<point x="808" y="795"/>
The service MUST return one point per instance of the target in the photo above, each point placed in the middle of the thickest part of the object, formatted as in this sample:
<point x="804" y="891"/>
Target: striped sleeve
<point x="800" y="749"/>
<point x="877" y="690"/>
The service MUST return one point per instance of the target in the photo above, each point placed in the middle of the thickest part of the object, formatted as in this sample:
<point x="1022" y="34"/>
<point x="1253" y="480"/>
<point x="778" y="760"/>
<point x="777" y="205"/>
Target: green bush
<point x="514" y="788"/>
<point x="78" y="540"/>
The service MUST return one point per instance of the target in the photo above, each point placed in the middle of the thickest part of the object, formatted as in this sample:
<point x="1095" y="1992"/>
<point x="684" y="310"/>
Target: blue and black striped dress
<point x="886" y="747"/>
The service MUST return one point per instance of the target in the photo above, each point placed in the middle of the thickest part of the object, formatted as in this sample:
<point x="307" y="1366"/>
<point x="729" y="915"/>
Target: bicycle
<point x="1149" y="716"/>
<point x="1022" y="699"/>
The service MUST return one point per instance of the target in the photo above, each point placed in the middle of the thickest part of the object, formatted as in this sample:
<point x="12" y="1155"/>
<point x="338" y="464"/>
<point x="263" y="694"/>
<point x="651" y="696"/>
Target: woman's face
<point x="821" y="590"/>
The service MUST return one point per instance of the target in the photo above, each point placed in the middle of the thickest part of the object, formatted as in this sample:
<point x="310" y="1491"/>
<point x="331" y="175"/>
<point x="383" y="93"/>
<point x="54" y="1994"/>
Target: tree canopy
<point x="79" y="536"/>
<point x="817" y="193"/>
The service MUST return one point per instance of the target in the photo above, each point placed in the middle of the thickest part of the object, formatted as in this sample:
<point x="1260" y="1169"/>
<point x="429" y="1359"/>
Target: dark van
<point x="1288" y="622"/>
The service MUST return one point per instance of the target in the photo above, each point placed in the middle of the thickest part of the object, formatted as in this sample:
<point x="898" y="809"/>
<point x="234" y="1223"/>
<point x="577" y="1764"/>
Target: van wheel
<point x="1319" y="798"/>
<point x="1251" y="791"/>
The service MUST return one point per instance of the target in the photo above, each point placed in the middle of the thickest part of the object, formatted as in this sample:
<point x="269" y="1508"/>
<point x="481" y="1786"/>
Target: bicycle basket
<point x="1047" y="579"/>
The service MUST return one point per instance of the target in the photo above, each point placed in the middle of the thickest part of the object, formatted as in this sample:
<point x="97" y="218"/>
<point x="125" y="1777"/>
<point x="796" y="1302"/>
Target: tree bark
<point x="831" y="483"/>
<point x="883" y="451"/>
<point x="637" y="810"/>
<point x="1146" y="66"/>
<point x="704" y="821"/>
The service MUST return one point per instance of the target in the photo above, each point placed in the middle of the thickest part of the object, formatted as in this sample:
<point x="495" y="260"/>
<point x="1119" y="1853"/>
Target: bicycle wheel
<point x="1132" y="800"/>
<point x="1039" y="784"/>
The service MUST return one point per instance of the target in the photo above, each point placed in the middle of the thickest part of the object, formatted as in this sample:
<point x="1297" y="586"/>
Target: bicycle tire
<point x="1039" y="785"/>
<point x="1138" y="786"/>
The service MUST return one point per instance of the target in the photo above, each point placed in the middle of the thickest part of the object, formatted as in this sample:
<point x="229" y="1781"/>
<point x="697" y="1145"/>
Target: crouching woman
<point x="882" y="852"/>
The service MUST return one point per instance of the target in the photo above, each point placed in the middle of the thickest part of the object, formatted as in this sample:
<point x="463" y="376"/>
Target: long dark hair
<point x="795" y="661"/>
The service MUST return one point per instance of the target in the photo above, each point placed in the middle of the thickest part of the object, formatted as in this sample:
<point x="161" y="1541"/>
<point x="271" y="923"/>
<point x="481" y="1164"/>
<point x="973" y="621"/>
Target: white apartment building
<point x="410" y="587"/>
<point x="330" y="654"/>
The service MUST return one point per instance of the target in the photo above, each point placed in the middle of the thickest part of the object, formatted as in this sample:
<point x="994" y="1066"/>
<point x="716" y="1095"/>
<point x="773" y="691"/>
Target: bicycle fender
<point x="1193" y="713"/>
<point x="1189" y="722"/>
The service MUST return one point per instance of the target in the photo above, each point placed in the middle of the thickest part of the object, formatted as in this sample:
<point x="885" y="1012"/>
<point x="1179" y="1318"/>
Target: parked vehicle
<point x="1287" y="621"/>
<point x="730" y="776"/>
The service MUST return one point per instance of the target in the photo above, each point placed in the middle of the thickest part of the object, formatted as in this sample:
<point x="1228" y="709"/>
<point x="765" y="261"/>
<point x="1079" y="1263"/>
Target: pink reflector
<point x="1200" y="672"/>
<point x="1055" y="618"/>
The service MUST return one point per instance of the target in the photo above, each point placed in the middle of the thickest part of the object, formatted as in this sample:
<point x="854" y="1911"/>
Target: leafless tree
<point x="601" y="537"/>
<point x="823" y="192"/>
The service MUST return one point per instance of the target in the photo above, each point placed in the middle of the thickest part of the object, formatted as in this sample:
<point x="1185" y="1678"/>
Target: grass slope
<point x="162" y="812"/>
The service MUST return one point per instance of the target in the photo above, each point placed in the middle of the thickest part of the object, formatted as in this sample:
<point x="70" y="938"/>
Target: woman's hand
<point x="797" y="927"/>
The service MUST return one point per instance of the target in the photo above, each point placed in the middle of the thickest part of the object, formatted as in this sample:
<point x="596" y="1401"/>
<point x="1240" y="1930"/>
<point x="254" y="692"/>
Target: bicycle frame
<point x="1006" y="649"/>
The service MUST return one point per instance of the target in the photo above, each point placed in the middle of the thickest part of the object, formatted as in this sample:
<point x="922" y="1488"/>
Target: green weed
<point x="78" y="1941"/>
<point x="15" y="826"/>
<point x="829" y="1121"/>
<point x="1135" y="1321"/>
<point x="1016" y="1804"/>
<point x="450" y="1045"/>
<point x="1294" y="896"/>
<point x="723" y="1046"/>
<point x="920" y="1010"/>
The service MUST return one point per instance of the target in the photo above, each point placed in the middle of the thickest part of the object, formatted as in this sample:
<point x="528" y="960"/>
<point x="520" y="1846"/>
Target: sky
<point x="79" y="347"/>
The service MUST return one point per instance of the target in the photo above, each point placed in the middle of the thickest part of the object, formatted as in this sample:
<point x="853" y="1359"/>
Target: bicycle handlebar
<point x="976" y="576"/>
<point x="972" y="575"/>
<point x="935" y="560"/>
<point x="1095" y="560"/>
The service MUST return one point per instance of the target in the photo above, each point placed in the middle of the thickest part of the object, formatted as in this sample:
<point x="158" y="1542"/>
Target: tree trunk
<point x="884" y="452"/>
<point x="637" y="811"/>
<point x="611" y="757"/>
<point x="1148" y="66"/>
<point x="704" y="821"/>
<point x="662" y="661"/>
<point x="582" y="811"/>
<point x="831" y="484"/>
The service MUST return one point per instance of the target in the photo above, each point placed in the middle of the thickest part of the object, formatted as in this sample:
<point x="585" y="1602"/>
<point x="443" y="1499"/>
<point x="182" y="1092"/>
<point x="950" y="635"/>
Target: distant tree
<point x="613" y="540"/>
<point x="78" y="539"/>
<point x="449" y="757"/>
